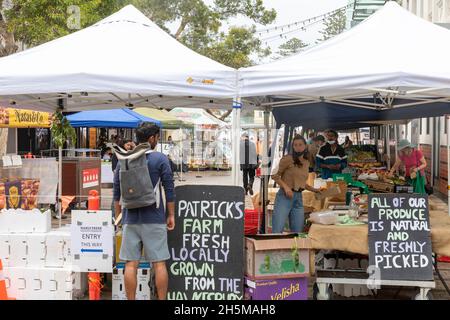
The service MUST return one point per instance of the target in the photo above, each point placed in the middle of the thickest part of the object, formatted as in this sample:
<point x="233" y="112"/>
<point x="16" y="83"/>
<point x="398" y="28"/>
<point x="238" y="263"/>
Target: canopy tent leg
<point x="395" y="140"/>
<point x="60" y="185"/>
<point x="447" y="118"/>
<point x="265" y="169"/>
<point x="235" y="139"/>
<point x="388" y="147"/>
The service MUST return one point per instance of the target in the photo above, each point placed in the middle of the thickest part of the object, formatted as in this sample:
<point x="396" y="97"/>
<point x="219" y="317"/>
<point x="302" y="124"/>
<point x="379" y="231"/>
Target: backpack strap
<point x="157" y="186"/>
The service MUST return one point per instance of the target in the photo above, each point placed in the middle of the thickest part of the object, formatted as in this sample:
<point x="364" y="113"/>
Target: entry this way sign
<point x="92" y="241"/>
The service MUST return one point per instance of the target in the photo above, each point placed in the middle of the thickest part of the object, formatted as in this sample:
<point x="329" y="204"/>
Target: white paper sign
<point x="7" y="162"/>
<point x="92" y="241"/>
<point x="16" y="160"/>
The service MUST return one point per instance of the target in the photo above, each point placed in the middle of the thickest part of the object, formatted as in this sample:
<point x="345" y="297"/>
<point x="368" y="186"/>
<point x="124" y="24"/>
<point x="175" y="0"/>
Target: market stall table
<point x="354" y="239"/>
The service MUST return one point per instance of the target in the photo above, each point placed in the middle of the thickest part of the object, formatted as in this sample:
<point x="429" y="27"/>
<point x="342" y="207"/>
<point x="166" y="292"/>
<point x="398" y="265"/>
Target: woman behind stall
<point x="126" y="144"/>
<point x="414" y="163"/>
<point x="291" y="176"/>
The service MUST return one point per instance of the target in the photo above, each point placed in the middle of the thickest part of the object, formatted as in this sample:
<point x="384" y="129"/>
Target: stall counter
<point x="354" y="239"/>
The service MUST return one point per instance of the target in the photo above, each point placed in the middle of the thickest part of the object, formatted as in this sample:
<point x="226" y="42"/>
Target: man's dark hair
<point x="319" y="138"/>
<point x="145" y="131"/>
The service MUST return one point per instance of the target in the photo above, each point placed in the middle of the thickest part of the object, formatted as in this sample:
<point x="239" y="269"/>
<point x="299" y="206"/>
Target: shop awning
<point x="20" y="118"/>
<point x="198" y="117"/>
<point x="114" y="118"/>
<point x="167" y="120"/>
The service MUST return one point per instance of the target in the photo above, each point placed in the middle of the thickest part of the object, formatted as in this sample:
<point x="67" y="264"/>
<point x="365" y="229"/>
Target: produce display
<point x="18" y="193"/>
<point x="364" y="157"/>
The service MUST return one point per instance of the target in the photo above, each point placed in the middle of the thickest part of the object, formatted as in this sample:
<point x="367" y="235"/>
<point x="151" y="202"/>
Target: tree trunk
<point x="10" y="46"/>
<point x="181" y="28"/>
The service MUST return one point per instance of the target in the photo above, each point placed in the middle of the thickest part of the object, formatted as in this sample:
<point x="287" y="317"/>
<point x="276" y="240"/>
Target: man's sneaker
<point x="250" y="190"/>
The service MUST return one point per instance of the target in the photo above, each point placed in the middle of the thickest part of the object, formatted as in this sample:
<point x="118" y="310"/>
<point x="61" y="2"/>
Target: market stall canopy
<point x="167" y="120"/>
<point x="19" y="118"/>
<point x="198" y="117"/>
<point x="114" y="118"/>
<point x="392" y="54"/>
<point x="123" y="59"/>
<point x="324" y="115"/>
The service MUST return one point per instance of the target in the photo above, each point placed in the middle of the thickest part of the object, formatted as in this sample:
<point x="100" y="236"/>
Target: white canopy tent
<point x="198" y="117"/>
<point x="393" y="60"/>
<point x="393" y="54"/>
<point x="123" y="60"/>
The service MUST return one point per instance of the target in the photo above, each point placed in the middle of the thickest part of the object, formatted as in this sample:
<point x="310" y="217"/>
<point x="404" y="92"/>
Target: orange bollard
<point x="95" y="284"/>
<point x="93" y="201"/>
<point x="3" y="292"/>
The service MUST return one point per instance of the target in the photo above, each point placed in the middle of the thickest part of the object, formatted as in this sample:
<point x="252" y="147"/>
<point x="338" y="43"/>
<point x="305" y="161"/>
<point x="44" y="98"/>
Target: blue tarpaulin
<point x="114" y="118"/>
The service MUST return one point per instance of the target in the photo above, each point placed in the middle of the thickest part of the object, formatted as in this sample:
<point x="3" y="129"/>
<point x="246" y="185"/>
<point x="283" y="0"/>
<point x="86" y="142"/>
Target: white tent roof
<point x="125" y="57"/>
<point x="197" y="116"/>
<point x="393" y="53"/>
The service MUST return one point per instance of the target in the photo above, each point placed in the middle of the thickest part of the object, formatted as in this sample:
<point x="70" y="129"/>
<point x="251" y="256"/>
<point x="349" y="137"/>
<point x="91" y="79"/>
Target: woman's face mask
<point x="331" y="141"/>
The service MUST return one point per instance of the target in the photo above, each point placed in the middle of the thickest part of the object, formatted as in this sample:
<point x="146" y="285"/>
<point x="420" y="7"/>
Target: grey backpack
<point x="136" y="187"/>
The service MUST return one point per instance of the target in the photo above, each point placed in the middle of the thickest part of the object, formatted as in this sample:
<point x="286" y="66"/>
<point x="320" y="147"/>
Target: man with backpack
<point x="138" y="178"/>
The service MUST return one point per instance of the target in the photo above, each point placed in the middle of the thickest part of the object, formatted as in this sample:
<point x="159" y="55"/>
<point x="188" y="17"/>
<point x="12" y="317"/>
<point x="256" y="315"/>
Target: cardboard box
<point x="342" y="185"/>
<point x="36" y="250"/>
<point x="276" y="289"/>
<point x="145" y="283"/>
<point x="25" y="221"/>
<point x="274" y="257"/>
<point x="40" y="283"/>
<point x="19" y="251"/>
<point x="5" y="249"/>
<point x="330" y="192"/>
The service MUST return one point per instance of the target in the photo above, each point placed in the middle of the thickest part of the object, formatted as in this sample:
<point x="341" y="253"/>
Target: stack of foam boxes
<point x="345" y="263"/>
<point x="277" y="267"/>
<point x="37" y="260"/>
<point x="145" y="289"/>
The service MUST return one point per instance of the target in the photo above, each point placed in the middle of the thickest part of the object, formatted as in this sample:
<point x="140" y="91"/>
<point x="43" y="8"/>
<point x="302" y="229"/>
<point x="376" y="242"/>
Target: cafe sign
<point x="20" y="118"/>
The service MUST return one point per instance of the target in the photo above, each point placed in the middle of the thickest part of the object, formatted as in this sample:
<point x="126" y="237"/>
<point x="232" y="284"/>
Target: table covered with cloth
<point x="354" y="238"/>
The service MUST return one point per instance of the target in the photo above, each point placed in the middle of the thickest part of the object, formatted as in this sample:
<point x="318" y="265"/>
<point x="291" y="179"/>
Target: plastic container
<point x="324" y="217"/>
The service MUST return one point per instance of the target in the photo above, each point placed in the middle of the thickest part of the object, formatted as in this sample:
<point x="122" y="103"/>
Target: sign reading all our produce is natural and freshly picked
<point x="399" y="236"/>
<point x="207" y="244"/>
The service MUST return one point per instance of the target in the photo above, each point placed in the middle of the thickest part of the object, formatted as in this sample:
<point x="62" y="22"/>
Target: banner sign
<point x="18" y="118"/>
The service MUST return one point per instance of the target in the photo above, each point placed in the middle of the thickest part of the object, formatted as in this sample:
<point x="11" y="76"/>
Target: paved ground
<point x="224" y="178"/>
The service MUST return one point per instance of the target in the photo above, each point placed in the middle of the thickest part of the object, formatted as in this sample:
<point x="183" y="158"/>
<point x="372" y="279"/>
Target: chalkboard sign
<point x="207" y="244"/>
<point x="399" y="236"/>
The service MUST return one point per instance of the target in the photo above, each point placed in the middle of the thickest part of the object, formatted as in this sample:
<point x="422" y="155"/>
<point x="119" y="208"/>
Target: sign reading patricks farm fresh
<point x="18" y="118"/>
<point x="207" y="245"/>
<point x="399" y="236"/>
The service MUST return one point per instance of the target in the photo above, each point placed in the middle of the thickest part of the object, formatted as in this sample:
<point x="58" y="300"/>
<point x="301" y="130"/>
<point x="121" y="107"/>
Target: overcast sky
<point x="288" y="11"/>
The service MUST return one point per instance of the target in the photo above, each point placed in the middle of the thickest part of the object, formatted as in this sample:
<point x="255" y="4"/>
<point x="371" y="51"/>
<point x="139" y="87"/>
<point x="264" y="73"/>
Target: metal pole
<point x="265" y="169"/>
<point x="396" y="139"/>
<point x="235" y="132"/>
<point x="447" y="118"/>
<point x="388" y="146"/>
<point x="60" y="185"/>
